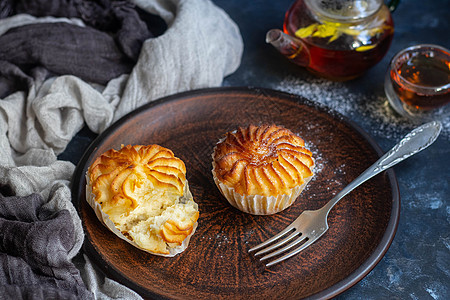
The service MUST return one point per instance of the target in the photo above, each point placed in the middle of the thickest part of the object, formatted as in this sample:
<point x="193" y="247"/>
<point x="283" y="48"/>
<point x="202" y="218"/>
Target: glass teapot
<point x="335" y="39"/>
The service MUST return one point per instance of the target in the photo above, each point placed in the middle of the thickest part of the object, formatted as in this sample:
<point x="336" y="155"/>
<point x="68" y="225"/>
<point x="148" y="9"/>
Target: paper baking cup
<point x="104" y="218"/>
<point x="258" y="204"/>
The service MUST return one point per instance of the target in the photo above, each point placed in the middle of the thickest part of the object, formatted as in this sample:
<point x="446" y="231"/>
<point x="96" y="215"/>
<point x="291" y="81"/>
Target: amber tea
<point x="417" y="83"/>
<point x="339" y="50"/>
<point x="422" y="80"/>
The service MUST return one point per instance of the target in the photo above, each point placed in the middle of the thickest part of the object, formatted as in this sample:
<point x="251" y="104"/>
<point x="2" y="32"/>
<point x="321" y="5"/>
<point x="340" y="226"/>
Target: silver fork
<point x="312" y="224"/>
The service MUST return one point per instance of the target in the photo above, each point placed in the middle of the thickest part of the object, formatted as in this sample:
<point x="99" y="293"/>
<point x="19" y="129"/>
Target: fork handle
<point x="414" y="142"/>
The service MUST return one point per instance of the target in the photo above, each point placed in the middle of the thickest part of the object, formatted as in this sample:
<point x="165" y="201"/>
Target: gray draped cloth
<point x="200" y="47"/>
<point x="108" y="46"/>
<point x="58" y="48"/>
<point x="118" y="17"/>
<point x="34" y="245"/>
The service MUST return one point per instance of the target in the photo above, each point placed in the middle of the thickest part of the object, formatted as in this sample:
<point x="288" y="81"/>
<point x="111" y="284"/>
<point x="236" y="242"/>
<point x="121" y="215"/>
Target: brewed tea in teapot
<point x="335" y="39"/>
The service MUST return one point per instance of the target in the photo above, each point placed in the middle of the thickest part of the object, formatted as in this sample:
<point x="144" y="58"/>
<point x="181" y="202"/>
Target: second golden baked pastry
<point x="142" y="195"/>
<point x="261" y="169"/>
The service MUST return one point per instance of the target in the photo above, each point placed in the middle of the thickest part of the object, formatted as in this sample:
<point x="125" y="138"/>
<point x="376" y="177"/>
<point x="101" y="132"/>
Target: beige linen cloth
<point x="201" y="46"/>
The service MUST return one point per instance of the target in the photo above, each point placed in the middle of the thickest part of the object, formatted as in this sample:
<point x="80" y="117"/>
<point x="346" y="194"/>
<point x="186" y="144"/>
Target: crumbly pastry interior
<point x="144" y="192"/>
<point x="266" y="160"/>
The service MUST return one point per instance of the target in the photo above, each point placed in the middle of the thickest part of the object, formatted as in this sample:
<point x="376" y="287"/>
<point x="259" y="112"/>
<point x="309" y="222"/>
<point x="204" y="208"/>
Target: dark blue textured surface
<point x="417" y="265"/>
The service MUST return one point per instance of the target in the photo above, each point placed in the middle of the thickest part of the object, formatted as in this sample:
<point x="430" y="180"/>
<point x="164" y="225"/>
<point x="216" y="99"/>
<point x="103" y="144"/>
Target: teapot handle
<point x="392" y="5"/>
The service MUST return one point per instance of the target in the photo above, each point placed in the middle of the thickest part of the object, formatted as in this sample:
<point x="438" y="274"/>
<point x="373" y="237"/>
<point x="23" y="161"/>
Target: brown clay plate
<point x="216" y="263"/>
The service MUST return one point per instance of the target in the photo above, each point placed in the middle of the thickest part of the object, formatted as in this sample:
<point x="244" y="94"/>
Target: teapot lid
<point x="345" y="10"/>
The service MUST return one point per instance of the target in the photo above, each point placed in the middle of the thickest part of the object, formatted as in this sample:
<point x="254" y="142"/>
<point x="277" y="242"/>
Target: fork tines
<point x="272" y="249"/>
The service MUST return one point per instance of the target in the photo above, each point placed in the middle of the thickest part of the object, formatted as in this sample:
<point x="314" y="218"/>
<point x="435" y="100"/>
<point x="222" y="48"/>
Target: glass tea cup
<point x="417" y="83"/>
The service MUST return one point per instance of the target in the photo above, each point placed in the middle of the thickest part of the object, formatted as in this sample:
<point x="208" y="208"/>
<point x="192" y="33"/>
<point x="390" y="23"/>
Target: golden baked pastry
<point x="142" y="195"/>
<point x="261" y="169"/>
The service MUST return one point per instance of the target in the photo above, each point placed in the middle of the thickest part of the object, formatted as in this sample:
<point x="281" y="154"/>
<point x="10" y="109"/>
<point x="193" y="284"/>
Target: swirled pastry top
<point x="266" y="160"/>
<point x="143" y="190"/>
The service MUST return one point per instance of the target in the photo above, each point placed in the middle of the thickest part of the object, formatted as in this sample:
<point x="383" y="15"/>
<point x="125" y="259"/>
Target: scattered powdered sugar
<point x="374" y="111"/>
<point x="326" y="92"/>
<point x="221" y="238"/>
<point x="319" y="161"/>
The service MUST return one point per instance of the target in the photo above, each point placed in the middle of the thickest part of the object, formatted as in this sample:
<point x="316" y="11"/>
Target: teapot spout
<point x="291" y="47"/>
